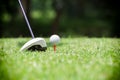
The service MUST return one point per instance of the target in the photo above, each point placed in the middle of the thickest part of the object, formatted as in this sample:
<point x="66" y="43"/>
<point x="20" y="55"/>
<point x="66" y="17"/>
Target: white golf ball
<point x="54" y="39"/>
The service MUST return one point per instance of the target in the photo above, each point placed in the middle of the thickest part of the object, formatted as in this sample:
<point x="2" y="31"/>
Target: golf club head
<point x="35" y="44"/>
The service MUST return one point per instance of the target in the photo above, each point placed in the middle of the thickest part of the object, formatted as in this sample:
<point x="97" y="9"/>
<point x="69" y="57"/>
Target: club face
<point x="37" y="48"/>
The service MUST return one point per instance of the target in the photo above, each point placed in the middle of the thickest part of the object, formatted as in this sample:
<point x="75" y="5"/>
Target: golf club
<point x="34" y="44"/>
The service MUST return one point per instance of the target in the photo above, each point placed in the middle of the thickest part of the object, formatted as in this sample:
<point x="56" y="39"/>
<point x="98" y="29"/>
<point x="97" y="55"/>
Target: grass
<point x="75" y="59"/>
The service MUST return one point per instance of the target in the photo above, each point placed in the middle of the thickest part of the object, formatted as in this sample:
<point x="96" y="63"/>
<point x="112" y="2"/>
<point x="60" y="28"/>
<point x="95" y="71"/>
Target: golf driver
<point x="35" y="44"/>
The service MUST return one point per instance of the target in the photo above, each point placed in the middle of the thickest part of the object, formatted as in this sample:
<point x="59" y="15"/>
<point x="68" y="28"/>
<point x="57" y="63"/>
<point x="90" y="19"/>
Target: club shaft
<point x="28" y="24"/>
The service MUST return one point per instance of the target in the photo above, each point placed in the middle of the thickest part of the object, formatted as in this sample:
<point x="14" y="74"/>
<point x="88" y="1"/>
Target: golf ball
<point x="54" y="39"/>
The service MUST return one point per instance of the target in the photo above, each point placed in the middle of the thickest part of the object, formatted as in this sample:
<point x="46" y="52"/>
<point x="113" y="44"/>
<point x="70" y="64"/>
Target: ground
<point x="78" y="58"/>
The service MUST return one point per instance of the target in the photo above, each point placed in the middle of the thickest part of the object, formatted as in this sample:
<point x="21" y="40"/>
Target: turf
<point x="75" y="59"/>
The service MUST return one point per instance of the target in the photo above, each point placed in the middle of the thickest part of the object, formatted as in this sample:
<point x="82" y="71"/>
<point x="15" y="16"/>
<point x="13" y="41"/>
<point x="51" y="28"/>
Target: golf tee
<point x="54" y="48"/>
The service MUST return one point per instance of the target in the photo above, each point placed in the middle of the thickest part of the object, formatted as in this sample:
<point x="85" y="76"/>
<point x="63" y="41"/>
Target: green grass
<point x="75" y="59"/>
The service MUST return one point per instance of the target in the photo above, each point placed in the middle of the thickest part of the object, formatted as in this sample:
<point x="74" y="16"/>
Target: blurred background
<point x="92" y="18"/>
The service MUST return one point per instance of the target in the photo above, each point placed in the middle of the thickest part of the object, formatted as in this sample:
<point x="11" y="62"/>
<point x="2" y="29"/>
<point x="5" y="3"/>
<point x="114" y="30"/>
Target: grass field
<point x="75" y="59"/>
